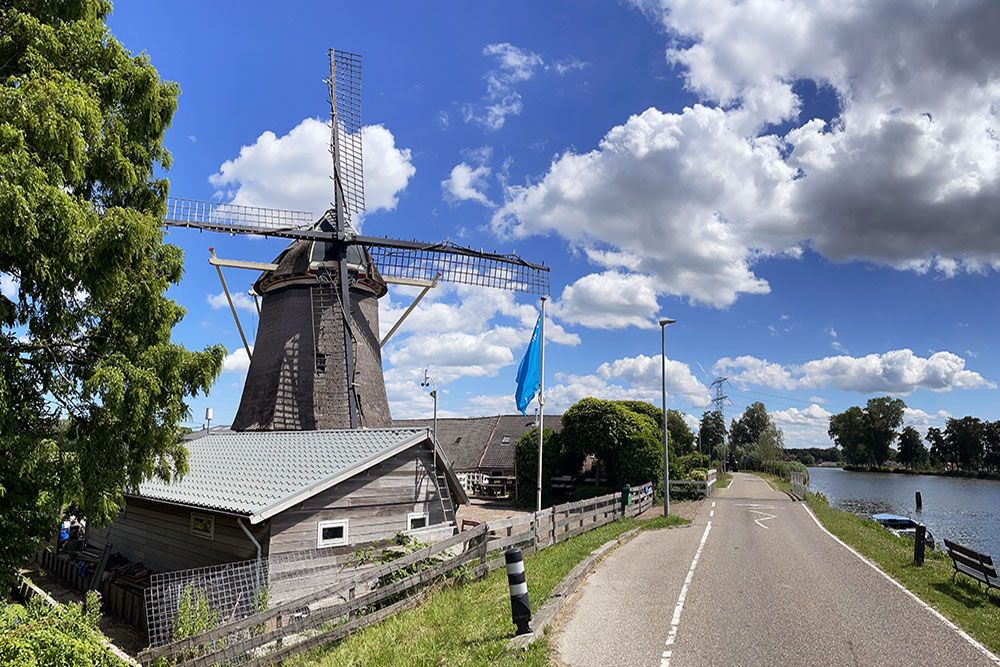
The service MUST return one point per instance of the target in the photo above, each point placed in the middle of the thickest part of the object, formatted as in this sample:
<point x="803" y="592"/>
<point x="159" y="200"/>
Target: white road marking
<point x="764" y="517"/>
<point x="679" y="607"/>
<point x="713" y="503"/>
<point x="961" y="633"/>
<point x="711" y="514"/>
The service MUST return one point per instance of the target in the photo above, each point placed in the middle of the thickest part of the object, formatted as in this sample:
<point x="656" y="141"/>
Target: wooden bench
<point x="974" y="564"/>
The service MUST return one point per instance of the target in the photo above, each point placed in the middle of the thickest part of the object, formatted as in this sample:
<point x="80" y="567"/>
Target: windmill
<point x="316" y="363"/>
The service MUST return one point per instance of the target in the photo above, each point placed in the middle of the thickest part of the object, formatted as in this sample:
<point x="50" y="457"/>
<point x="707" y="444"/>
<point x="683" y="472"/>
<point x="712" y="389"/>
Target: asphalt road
<point x="752" y="581"/>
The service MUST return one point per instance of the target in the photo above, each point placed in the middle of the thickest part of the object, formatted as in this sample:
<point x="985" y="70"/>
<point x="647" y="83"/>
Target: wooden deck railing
<point x="346" y="606"/>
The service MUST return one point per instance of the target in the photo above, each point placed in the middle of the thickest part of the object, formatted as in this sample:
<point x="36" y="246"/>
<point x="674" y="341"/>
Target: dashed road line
<point x="679" y="607"/>
<point x="711" y="514"/>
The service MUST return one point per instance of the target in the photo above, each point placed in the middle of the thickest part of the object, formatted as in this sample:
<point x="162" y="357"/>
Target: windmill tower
<point x="317" y="364"/>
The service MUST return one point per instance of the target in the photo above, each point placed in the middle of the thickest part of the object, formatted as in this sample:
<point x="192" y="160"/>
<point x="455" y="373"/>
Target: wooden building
<point x="268" y="493"/>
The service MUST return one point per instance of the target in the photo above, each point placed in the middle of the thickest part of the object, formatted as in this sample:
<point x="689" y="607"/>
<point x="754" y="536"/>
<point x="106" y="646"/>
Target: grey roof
<point x="500" y="455"/>
<point x="250" y="472"/>
<point x="463" y="439"/>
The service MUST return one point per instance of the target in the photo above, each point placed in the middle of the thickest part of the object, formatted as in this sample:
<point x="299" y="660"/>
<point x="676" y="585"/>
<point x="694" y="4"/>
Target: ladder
<point x="444" y="493"/>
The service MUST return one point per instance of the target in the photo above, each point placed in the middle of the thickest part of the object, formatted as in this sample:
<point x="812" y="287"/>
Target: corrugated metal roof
<point x="247" y="472"/>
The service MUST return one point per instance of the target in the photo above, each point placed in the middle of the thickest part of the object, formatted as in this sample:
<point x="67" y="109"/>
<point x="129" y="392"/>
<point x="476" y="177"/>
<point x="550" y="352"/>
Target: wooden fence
<point x="125" y="602"/>
<point x="344" y="606"/>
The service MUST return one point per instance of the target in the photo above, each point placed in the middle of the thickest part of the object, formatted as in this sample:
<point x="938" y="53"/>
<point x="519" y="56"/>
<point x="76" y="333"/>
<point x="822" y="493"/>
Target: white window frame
<point x="205" y="535"/>
<point x="336" y="542"/>
<point x="418" y="515"/>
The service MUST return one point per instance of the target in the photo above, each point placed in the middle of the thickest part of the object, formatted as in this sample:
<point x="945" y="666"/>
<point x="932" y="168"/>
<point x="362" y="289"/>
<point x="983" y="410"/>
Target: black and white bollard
<point x="919" y="544"/>
<point x="520" y="606"/>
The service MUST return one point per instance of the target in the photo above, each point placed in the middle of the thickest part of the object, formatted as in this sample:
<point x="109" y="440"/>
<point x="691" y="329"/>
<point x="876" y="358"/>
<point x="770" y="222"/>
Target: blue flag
<point x="529" y="373"/>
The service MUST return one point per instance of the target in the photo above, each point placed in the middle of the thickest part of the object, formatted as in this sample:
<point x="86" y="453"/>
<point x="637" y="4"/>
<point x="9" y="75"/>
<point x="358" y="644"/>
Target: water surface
<point x="963" y="510"/>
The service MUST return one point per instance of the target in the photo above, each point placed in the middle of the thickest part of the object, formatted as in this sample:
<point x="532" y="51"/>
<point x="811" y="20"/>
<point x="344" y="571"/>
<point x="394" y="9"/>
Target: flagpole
<point x="541" y="406"/>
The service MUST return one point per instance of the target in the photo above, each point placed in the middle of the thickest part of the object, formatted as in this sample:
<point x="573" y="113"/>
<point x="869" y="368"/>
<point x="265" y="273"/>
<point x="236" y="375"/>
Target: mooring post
<point x="919" y="544"/>
<point x="920" y="501"/>
<point x="520" y="605"/>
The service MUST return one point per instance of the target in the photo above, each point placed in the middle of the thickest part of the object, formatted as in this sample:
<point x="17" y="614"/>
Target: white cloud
<point x="751" y="370"/>
<point x="569" y="65"/>
<point x="513" y="66"/>
<point x="894" y="372"/>
<point x="237" y="361"/>
<point x="241" y="300"/>
<point x="9" y="285"/>
<point x="907" y="174"/>
<point x="453" y="355"/>
<point x="645" y="372"/>
<point x="467" y="183"/>
<point x="293" y="171"/>
<point x="921" y="420"/>
<point x="804" y="427"/>
<point x="609" y="300"/>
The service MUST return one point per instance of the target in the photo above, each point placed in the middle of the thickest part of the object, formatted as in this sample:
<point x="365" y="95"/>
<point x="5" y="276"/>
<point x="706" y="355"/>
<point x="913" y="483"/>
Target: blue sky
<point x="816" y="202"/>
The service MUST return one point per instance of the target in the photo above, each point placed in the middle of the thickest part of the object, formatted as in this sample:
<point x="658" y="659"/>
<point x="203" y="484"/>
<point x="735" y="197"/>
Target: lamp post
<point x="429" y="382"/>
<point x="664" y="321"/>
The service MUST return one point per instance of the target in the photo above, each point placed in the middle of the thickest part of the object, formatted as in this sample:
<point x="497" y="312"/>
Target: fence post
<point x="552" y="522"/>
<point x="919" y="544"/>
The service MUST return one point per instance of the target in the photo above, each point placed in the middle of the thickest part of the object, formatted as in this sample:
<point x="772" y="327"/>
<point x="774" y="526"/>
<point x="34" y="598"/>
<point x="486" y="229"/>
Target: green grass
<point x="470" y="624"/>
<point x="962" y="601"/>
<point x="722" y="481"/>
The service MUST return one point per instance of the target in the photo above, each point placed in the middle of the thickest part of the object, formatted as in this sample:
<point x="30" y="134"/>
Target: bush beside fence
<point x="350" y="604"/>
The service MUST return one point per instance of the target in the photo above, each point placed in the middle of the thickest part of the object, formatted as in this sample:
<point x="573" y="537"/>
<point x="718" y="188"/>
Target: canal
<point x="963" y="510"/>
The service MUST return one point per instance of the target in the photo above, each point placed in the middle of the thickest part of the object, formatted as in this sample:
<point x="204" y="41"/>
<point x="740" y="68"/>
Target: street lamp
<point x="664" y="321"/>
<point x="429" y="382"/>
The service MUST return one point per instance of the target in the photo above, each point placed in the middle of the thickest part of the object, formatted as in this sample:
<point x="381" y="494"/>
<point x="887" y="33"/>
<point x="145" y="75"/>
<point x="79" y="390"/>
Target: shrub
<point x="43" y="635"/>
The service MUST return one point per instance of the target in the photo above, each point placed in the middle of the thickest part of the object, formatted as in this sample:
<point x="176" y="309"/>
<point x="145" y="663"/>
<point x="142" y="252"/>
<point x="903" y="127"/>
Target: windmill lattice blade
<point x="345" y="97"/>
<point x="236" y="219"/>
<point x="455" y="264"/>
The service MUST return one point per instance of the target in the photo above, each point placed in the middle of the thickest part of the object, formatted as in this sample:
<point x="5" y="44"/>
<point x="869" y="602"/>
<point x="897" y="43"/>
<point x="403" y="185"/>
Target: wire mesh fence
<point x="236" y="590"/>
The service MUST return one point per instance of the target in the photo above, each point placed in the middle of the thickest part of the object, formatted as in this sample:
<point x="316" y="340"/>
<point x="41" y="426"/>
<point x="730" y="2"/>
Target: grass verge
<point x="776" y="482"/>
<point x="470" y="624"/>
<point x="962" y="601"/>
<point x="722" y="481"/>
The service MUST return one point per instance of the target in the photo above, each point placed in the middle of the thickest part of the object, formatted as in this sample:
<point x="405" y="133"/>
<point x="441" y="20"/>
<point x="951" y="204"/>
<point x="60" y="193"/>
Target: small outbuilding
<point x="266" y="493"/>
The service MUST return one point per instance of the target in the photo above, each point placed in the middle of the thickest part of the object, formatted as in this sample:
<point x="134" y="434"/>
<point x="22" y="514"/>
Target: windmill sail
<point x="345" y="100"/>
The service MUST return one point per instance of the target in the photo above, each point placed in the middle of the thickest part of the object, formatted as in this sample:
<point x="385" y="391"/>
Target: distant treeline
<point x="870" y="437"/>
<point x="812" y="456"/>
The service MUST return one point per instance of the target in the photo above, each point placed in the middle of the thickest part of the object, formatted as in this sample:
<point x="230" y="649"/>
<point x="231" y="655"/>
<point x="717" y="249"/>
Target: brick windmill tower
<point x="317" y="364"/>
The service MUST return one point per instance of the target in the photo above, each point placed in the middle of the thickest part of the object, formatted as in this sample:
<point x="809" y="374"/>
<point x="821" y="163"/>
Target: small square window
<point x="505" y="440"/>
<point x="331" y="533"/>
<point x="415" y="520"/>
<point x="320" y="362"/>
<point x="203" y="525"/>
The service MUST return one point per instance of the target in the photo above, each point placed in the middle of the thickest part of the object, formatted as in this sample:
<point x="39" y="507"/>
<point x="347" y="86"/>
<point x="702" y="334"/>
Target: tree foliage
<point x="912" y="452"/>
<point x="965" y="441"/>
<point x="866" y="435"/>
<point x="526" y="466"/>
<point x="91" y="386"/>
<point x="712" y="433"/>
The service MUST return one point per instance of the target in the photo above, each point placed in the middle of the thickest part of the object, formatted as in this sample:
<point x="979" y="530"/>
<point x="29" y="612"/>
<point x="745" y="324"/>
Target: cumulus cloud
<point x="467" y="183"/>
<point x="894" y="372"/>
<point x="241" y="300"/>
<point x="904" y="172"/>
<point x="804" y="427"/>
<point x="645" y="372"/>
<point x="9" y="285"/>
<point x="237" y="361"/>
<point x="293" y="171"/>
<point x="751" y="370"/>
<point x="609" y="300"/>
<point x="921" y="420"/>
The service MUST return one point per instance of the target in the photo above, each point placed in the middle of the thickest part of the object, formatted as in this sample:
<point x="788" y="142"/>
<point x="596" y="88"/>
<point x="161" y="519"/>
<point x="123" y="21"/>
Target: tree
<point x="912" y="452"/>
<point x="939" y="455"/>
<point x="884" y="415"/>
<point x="620" y="435"/>
<point x="746" y="430"/>
<point x="964" y="438"/>
<point x="526" y="466"/>
<point x="849" y="431"/>
<point x="91" y="386"/>
<point x="991" y="445"/>
<point x="681" y="437"/>
<point x="712" y="433"/>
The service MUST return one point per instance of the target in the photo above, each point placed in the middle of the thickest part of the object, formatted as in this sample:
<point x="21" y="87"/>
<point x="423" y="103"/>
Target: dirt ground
<point x="118" y="631"/>
<point x="481" y="509"/>
<point x="682" y="508"/>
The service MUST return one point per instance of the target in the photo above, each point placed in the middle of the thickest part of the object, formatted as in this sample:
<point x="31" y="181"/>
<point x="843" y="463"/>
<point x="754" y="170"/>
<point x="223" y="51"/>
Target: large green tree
<point x="746" y="430"/>
<point x="91" y="386"/>
<point x="965" y="438"/>
<point x="912" y="452"/>
<point x="849" y="431"/>
<point x="866" y="435"/>
<point x="712" y="434"/>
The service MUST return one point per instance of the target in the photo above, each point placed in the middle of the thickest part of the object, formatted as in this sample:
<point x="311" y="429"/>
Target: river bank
<point x="975" y="611"/>
<point x="959" y="474"/>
